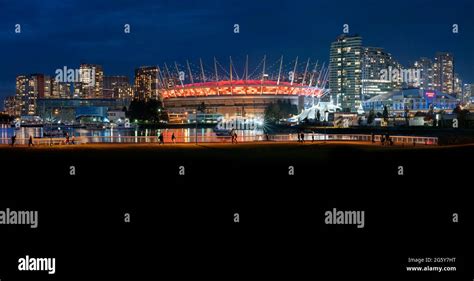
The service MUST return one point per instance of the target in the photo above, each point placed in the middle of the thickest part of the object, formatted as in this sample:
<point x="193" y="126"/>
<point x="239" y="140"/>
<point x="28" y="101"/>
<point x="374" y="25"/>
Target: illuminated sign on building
<point x="430" y="95"/>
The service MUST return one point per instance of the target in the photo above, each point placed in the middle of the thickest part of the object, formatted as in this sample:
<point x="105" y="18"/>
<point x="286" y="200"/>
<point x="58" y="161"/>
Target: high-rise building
<point x="345" y="74"/>
<point x="29" y="88"/>
<point x="38" y="86"/>
<point x="61" y="90"/>
<point x="92" y="80"/>
<point x="443" y="73"/>
<point x="22" y="86"/>
<point x="457" y="87"/>
<point x="12" y="106"/>
<point x="79" y="92"/>
<point x="425" y="65"/>
<point x="374" y="62"/>
<point x="117" y="87"/>
<point x="468" y="92"/>
<point x="146" y="82"/>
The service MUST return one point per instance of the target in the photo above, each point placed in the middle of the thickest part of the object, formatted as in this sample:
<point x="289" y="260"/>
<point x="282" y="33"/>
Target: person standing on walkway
<point x="387" y="139"/>
<point x="232" y="136"/>
<point x="13" y="140"/>
<point x="30" y="141"/>
<point x="173" y="138"/>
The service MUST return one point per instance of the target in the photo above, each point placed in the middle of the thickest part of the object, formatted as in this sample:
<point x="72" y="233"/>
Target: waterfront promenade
<point x="275" y="138"/>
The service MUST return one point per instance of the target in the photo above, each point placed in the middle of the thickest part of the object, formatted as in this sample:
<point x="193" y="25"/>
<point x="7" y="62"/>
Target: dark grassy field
<point x="226" y="164"/>
<point x="182" y="224"/>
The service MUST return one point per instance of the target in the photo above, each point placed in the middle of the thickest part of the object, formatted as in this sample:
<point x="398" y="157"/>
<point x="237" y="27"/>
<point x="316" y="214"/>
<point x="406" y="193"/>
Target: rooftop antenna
<point x="230" y="64"/>
<point x="279" y="74"/>
<point x="305" y="71"/>
<point x="246" y="68"/>
<point x="168" y="73"/>
<point x="160" y="83"/>
<point x="294" y="71"/>
<point x="202" y="71"/>
<point x="217" y="79"/>
<point x="312" y="75"/>
<point x="160" y="73"/>
<point x="279" y="71"/>
<point x="318" y="83"/>
<point x="263" y="74"/>
<point x="190" y="74"/>
<point x="177" y="72"/>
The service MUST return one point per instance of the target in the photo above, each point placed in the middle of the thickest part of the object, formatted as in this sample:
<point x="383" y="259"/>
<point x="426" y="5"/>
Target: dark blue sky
<point x="59" y="33"/>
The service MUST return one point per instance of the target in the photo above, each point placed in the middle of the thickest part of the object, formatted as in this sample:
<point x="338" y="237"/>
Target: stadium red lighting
<point x="241" y="88"/>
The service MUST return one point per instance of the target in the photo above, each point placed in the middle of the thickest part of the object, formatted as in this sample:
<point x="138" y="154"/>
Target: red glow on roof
<point x="239" y="83"/>
<point x="240" y="88"/>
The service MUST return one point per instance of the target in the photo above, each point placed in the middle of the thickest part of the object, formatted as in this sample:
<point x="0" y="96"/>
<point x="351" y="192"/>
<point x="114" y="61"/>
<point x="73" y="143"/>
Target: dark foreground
<point x="182" y="225"/>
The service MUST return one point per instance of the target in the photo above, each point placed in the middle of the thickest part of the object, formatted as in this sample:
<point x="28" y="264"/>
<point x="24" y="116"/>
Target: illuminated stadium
<point x="183" y="88"/>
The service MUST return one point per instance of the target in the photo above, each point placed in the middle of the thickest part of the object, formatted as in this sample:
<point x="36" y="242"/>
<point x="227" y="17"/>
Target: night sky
<point x="66" y="33"/>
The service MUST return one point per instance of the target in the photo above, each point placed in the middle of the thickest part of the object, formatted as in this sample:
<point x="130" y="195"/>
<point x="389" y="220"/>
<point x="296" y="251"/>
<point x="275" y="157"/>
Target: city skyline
<point x="365" y="67"/>
<point x="179" y="33"/>
<point x="236" y="139"/>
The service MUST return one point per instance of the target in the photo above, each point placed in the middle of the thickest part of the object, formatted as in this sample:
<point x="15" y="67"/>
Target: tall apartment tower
<point x="374" y="61"/>
<point x="146" y="82"/>
<point x="425" y="65"/>
<point x="91" y="80"/>
<point x="345" y="75"/>
<point x="443" y="72"/>
<point x="29" y="88"/>
<point x="117" y="87"/>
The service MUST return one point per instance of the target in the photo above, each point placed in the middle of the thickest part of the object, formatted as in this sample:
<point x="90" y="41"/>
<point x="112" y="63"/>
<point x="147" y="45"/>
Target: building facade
<point x="458" y="87"/>
<point x="73" y="111"/>
<point x="29" y="88"/>
<point x="345" y="74"/>
<point x="425" y="65"/>
<point x="412" y="100"/>
<point x="12" y="106"/>
<point x="374" y="61"/>
<point x="468" y="92"/>
<point x="92" y="81"/>
<point x="117" y="87"/>
<point x="146" y="83"/>
<point x="60" y="90"/>
<point x="443" y="72"/>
